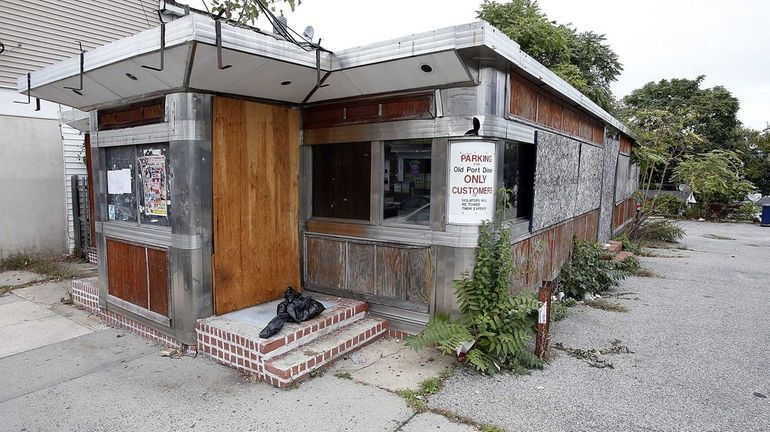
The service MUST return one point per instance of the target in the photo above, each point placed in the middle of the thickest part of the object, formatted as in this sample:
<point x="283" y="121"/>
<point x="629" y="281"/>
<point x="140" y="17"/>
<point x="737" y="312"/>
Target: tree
<point x="716" y="177"/>
<point x="754" y="149"/>
<point x="711" y="113"/>
<point x="580" y="58"/>
<point x="246" y="11"/>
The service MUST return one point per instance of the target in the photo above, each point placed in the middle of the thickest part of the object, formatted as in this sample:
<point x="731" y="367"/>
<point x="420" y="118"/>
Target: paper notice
<point x="119" y="181"/>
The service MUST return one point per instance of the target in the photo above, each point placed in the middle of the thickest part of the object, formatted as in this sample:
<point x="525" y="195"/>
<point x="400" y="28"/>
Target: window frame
<point x="138" y="188"/>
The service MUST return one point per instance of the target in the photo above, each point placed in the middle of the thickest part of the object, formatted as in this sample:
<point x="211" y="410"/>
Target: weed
<point x="559" y="311"/>
<point x="645" y="272"/>
<point x="51" y="268"/>
<point x="606" y="305"/>
<point x="414" y="400"/>
<point x="344" y="375"/>
<point x="594" y="356"/>
<point x="490" y="428"/>
<point x="658" y="230"/>
<point x="590" y="270"/>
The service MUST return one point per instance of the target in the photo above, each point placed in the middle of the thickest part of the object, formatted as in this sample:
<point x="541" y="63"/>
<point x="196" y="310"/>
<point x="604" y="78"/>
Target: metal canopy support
<point x="162" y="49"/>
<point x="218" y="26"/>
<point x="79" y="90"/>
<point x="29" y="95"/>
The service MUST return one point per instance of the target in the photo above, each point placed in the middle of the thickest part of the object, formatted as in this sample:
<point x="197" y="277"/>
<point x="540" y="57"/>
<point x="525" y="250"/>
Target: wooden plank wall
<point x="531" y="104"/>
<point x="255" y="157"/>
<point x="623" y="212"/>
<point x="540" y="257"/>
<point x="626" y="145"/>
<point x="380" y="272"/>
<point x="401" y="107"/>
<point x="138" y="275"/>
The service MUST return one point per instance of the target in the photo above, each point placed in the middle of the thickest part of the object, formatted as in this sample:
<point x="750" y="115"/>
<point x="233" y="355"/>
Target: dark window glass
<point x="407" y="172"/>
<point x="519" y="178"/>
<point x="121" y="183"/>
<point x="342" y="180"/>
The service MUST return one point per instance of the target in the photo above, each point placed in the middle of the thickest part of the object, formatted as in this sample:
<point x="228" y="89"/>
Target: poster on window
<point x="153" y="169"/>
<point x="472" y="178"/>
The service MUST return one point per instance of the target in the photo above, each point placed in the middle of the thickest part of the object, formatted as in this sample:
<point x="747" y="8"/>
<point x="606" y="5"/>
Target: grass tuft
<point x="603" y="304"/>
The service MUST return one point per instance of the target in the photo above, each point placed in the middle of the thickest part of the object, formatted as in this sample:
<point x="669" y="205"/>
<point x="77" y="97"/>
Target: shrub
<point x="591" y="270"/>
<point x="667" y="205"/>
<point x="747" y="212"/>
<point x="658" y="230"/>
<point x="496" y="325"/>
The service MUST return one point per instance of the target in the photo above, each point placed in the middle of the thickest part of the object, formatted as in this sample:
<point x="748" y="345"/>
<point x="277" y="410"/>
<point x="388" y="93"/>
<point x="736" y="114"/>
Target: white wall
<point x="33" y="214"/>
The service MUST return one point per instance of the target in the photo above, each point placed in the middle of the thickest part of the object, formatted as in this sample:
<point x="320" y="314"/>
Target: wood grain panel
<point x="142" y="113"/>
<point x="255" y="153"/>
<point x="390" y="279"/>
<point x="523" y="99"/>
<point x="520" y="255"/>
<point x="571" y="122"/>
<point x="586" y="128"/>
<point x="549" y="112"/>
<point x="157" y="263"/>
<point x="360" y="268"/>
<point x="325" y="262"/>
<point x="625" y="145"/>
<point x="401" y="107"/>
<point x="127" y="272"/>
<point x="598" y="133"/>
<point x="419" y="276"/>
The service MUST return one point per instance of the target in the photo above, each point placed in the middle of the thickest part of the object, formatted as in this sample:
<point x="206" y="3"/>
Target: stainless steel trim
<point x="147" y="134"/>
<point x="138" y="310"/>
<point x="377" y="183"/>
<point x="186" y="241"/>
<point x="157" y="237"/>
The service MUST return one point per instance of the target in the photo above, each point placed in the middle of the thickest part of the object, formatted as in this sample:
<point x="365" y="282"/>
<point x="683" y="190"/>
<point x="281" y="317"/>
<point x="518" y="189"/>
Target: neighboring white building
<point x="38" y="152"/>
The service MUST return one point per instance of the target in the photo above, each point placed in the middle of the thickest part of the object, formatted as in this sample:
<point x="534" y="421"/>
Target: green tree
<point x="246" y="11"/>
<point x="583" y="59"/>
<point x="711" y="113"/>
<point x="716" y="177"/>
<point x="754" y="148"/>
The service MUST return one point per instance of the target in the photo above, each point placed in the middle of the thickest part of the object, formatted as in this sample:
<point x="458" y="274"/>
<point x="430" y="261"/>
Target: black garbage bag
<point x="294" y="308"/>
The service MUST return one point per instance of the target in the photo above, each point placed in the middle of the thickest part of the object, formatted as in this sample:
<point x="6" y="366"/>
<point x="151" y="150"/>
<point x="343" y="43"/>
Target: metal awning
<point x="265" y="67"/>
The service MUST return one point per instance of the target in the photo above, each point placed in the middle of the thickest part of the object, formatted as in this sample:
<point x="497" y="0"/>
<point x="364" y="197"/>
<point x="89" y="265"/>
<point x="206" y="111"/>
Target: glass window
<point x="138" y="184"/>
<point x="519" y="178"/>
<point x="342" y="180"/>
<point x="154" y="203"/>
<point x="407" y="173"/>
<point x="121" y="183"/>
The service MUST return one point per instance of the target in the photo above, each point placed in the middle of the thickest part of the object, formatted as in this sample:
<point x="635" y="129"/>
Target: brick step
<point x="295" y="365"/>
<point x="622" y="255"/>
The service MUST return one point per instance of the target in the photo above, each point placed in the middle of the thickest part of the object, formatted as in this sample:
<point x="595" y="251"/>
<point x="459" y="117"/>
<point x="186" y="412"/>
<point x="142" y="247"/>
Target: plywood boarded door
<point x="256" y="202"/>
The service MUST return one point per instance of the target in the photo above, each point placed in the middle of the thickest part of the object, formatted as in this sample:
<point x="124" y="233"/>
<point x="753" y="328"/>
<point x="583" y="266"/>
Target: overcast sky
<point x="728" y="41"/>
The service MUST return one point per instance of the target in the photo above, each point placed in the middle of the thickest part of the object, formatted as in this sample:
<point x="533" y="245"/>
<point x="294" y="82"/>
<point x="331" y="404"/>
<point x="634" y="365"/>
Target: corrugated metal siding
<point x="49" y="30"/>
<point x="74" y="152"/>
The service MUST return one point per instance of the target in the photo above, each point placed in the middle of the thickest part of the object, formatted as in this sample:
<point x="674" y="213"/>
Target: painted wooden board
<point x="127" y="272"/>
<point x="255" y="154"/>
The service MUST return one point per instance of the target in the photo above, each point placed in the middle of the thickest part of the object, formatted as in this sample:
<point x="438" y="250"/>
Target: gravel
<point x="699" y="337"/>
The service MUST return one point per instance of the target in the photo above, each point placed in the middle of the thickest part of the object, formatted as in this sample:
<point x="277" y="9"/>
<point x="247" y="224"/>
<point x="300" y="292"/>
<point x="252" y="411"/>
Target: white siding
<point x="49" y="30"/>
<point x="74" y="152"/>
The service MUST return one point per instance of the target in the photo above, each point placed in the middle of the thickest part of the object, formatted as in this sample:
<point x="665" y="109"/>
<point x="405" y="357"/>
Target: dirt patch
<point x="606" y="305"/>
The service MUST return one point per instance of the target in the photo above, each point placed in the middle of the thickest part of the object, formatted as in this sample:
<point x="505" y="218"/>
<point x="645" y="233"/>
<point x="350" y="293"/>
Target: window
<point x="407" y="174"/>
<point x="342" y="180"/>
<point x="138" y="184"/>
<point x="519" y="177"/>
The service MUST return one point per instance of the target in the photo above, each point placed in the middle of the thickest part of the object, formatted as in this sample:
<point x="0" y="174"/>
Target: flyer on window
<point x="153" y="169"/>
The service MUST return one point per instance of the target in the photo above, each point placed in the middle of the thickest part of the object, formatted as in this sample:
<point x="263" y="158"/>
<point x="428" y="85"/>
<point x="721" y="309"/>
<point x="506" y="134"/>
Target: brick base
<point x="85" y="294"/>
<point x="91" y="255"/>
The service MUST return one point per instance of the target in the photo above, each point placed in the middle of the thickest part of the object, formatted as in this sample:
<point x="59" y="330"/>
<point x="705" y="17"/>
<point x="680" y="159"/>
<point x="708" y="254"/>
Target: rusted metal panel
<point x="402" y="107"/>
<point x="325" y="261"/>
<point x="549" y="112"/>
<point x="360" y="267"/>
<point x="523" y="99"/>
<point x="143" y="113"/>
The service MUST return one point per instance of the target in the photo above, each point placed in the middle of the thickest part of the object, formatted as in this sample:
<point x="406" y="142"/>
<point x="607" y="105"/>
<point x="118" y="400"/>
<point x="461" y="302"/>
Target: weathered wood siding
<point x="624" y="212"/>
<point x="402" y="107"/>
<point x="384" y="273"/>
<point x="255" y="153"/>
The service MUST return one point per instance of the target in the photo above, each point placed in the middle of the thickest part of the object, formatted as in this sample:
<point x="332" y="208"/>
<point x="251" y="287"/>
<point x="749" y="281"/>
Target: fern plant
<point x="495" y="327"/>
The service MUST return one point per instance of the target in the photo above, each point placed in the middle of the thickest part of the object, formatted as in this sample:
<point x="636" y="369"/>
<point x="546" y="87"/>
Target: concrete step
<point x="297" y="364"/>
